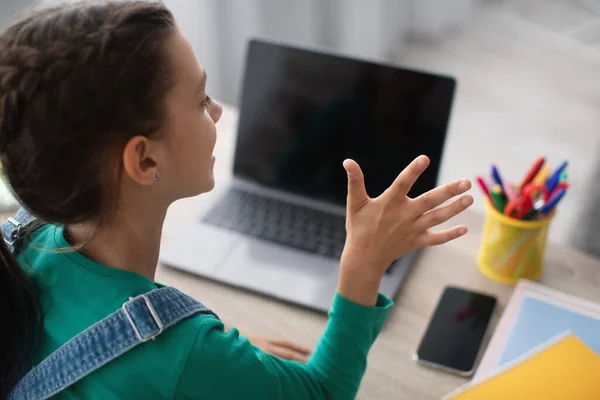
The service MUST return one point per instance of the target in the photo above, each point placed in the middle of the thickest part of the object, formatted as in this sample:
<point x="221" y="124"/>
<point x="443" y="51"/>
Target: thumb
<point x="357" y="194"/>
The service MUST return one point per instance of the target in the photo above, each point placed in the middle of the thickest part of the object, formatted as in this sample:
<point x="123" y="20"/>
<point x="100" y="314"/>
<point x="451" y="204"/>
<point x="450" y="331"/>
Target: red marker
<point x="485" y="189"/>
<point x="532" y="172"/>
<point x="562" y="185"/>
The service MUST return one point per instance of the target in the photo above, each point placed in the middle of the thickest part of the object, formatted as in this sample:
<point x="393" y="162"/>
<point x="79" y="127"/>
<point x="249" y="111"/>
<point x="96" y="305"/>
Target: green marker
<point x="497" y="198"/>
<point x="564" y="176"/>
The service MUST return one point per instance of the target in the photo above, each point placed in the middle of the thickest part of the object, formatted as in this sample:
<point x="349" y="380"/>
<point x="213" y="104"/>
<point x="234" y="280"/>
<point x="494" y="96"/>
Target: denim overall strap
<point x="15" y="229"/>
<point x="140" y="319"/>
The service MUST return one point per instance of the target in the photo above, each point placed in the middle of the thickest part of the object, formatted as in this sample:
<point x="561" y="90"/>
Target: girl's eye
<point x="206" y="102"/>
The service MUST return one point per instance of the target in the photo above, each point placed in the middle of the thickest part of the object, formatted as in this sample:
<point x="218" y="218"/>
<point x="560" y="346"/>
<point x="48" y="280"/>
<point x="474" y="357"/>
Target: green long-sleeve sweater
<point x="195" y="359"/>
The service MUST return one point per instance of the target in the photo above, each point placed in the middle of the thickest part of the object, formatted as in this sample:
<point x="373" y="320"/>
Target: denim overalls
<point x="139" y="320"/>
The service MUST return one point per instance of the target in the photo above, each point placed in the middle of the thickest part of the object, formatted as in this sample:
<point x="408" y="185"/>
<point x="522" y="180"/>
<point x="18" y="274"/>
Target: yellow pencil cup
<point x="512" y="249"/>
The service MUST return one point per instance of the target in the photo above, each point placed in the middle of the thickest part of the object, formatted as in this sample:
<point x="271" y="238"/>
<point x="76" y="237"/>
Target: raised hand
<point x="383" y="229"/>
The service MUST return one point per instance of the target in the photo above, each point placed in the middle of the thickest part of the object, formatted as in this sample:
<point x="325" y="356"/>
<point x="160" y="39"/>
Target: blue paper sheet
<point x="539" y="321"/>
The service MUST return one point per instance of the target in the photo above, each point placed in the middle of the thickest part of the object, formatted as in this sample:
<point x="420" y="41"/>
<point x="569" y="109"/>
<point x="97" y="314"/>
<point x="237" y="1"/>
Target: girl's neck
<point x="130" y="242"/>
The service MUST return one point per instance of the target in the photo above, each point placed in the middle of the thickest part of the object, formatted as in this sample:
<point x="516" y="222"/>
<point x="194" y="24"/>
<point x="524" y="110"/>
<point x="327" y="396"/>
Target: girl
<point x="104" y="122"/>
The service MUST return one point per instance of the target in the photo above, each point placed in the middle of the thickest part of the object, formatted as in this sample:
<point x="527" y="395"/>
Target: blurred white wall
<point x="528" y="86"/>
<point x="374" y="29"/>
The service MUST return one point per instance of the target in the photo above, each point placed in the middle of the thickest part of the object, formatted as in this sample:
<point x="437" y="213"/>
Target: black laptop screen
<point x="304" y="112"/>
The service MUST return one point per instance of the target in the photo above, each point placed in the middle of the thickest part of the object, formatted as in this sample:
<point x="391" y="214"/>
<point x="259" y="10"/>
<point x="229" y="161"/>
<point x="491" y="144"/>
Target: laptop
<point x="278" y="227"/>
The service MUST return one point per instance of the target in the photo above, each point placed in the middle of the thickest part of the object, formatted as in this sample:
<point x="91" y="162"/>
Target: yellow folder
<point x="567" y="369"/>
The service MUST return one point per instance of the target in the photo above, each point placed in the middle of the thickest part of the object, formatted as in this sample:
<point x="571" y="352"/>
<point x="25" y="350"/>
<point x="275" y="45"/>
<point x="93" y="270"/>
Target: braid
<point x="25" y="68"/>
<point x="54" y="59"/>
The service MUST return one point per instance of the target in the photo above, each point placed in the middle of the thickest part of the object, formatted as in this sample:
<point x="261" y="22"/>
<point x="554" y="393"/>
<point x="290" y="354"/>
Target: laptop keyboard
<point x="277" y="221"/>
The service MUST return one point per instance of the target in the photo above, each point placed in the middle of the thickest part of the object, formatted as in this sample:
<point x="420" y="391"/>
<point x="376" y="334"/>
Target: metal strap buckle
<point x="14" y="234"/>
<point x="153" y="313"/>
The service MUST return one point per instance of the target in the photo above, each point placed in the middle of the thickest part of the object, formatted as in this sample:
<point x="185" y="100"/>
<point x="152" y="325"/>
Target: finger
<point x="437" y="238"/>
<point x="357" y="194"/>
<point x="443" y="214"/>
<point x="440" y="195"/>
<point x="291" y="345"/>
<point x="283" y="352"/>
<point x="409" y="176"/>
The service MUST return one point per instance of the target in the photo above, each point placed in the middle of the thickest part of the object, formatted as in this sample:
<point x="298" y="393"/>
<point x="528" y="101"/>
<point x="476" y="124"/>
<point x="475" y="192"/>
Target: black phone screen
<point x="457" y="329"/>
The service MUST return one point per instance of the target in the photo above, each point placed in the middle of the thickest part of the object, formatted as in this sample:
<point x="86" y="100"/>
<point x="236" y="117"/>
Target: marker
<point x="552" y="202"/>
<point x="497" y="198"/>
<point x="484" y="188"/>
<point x="561" y="185"/>
<point x="533" y="171"/>
<point x="505" y="185"/>
<point x="553" y="180"/>
<point x="496" y="176"/>
<point x="510" y="191"/>
<point x="564" y="177"/>
<point x="498" y="179"/>
<point x="540" y="179"/>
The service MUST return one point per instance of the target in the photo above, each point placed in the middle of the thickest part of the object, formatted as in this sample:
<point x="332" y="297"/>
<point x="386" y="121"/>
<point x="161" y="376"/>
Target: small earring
<point x="157" y="177"/>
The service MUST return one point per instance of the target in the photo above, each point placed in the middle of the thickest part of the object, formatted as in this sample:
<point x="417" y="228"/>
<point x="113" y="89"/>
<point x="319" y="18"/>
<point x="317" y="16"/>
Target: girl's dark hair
<point x="77" y="81"/>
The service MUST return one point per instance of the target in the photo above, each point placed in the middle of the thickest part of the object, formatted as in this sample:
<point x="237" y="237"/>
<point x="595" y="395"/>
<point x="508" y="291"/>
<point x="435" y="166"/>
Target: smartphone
<point x="458" y="327"/>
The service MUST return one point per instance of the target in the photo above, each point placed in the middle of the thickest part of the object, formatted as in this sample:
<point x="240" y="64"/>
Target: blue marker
<point x="498" y="179"/>
<point x="550" y="205"/>
<point x="554" y="179"/>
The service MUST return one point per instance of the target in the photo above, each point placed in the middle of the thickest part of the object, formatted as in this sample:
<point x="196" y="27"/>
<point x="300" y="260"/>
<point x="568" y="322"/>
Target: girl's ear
<point x="140" y="160"/>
